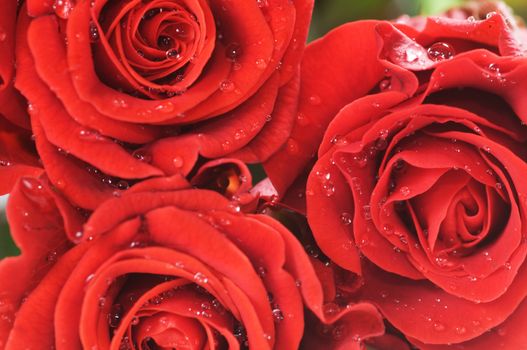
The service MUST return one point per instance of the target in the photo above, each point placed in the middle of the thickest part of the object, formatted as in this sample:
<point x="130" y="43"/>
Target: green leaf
<point x="435" y="7"/>
<point x="7" y="246"/>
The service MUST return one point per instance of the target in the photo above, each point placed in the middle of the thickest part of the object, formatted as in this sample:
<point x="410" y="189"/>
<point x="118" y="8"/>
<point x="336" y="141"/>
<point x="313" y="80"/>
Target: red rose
<point x="17" y="155"/>
<point x="421" y="171"/>
<point x="164" y="265"/>
<point x="122" y="91"/>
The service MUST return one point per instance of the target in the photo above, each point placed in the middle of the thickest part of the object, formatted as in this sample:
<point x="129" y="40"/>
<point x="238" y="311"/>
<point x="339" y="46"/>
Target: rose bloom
<point x="17" y="154"/>
<point x="164" y="266"/>
<point x="419" y="182"/>
<point x="120" y="91"/>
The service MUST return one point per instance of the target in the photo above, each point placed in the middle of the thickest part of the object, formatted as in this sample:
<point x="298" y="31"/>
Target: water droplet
<point x="508" y="265"/>
<point x="166" y="107"/>
<point x="440" y="51"/>
<point x="115" y="315"/>
<point x="200" y="278"/>
<point x="260" y="63"/>
<point x="330" y="309"/>
<point x="412" y="54"/>
<point x="178" y="162"/>
<point x="339" y="140"/>
<point x="498" y="185"/>
<point x="226" y="85"/>
<point x="315" y="100"/>
<point x="122" y="185"/>
<point x="298" y="283"/>
<point x="62" y="8"/>
<point x="292" y="146"/>
<point x="172" y="54"/>
<point x="490" y="14"/>
<point x="181" y="31"/>
<point x="443" y="261"/>
<point x="493" y="67"/>
<point x="328" y="186"/>
<point x="94" y="33"/>
<point x="89" y="278"/>
<point x="262" y="271"/>
<point x="102" y="302"/>
<point x="3" y="34"/>
<point x="119" y="102"/>
<point x="461" y="330"/>
<point x="381" y="144"/>
<point x="471" y="19"/>
<point x="385" y="84"/>
<point x="142" y="155"/>
<point x="5" y="162"/>
<point x="278" y="315"/>
<point x="233" y="51"/>
<point x="366" y="212"/>
<point x="90" y="135"/>
<point x="240" y="134"/>
<point x="360" y="160"/>
<point x="404" y="190"/>
<point x="346" y="218"/>
<point x="339" y="331"/>
<point x="438" y="326"/>
<point x="51" y="257"/>
<point x="262" y="3"/>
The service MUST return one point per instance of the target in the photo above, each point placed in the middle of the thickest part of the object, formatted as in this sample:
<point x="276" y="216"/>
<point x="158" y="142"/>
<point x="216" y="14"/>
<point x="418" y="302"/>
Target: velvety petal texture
<point x="417" y="133"/>
<point x="17" y="152"/>
<point x="155" y="85"/>
<point x="163" y="266"/>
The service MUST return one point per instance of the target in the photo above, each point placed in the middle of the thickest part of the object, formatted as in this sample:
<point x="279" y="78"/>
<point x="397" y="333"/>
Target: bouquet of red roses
<point x="188" y="174"/>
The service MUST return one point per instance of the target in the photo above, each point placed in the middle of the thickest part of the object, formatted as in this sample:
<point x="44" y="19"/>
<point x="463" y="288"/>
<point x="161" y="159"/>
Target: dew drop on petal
<point x="115" y="315"/>
<point x="440" y="51"/>
<point x="315" y="100"/>
<point x="226" y="85"/>
<point x="346" y="218"/>
<point x="438" y="326"/>
<point x="260" y="63"/>
<point x="178" y="162"/>
<point x="142" y="156"/>
<point x="330" y="309"/>
<point x="52" y="256"/>
<point x="277" y="314"/>
<point x="292" y="146"/>
<point x="62" y="8"/>
<point x="165" y="107"/>
<point x="200" y="278"/>
<point x="233" y="51"/>
<point x="412" y="54"/>
<point x="461" y="330"/>
<point x="385" y="85"/>
<point x="172" y="54"/>
<point x="94" y="33"/>
<point x="490" y="14"/>
<point x="405" y="191"/>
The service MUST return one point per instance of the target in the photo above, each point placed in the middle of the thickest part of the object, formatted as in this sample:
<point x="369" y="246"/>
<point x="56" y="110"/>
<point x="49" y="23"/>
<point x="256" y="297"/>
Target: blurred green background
<point x="329" y="14"/>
